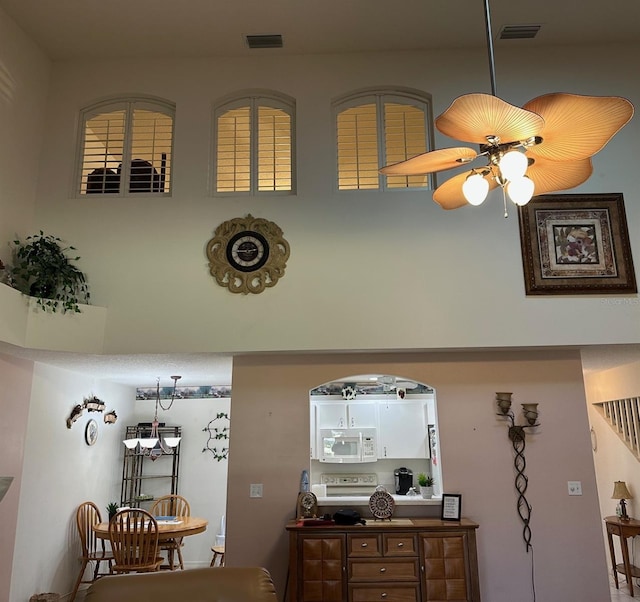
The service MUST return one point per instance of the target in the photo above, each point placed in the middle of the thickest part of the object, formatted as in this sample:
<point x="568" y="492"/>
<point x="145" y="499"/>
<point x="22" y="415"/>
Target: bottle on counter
<point x="304" y="481"/>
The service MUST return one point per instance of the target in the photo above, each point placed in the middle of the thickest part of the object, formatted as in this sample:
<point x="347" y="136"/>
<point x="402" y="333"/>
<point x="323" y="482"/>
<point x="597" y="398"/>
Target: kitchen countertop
<point x="363" y="500"/>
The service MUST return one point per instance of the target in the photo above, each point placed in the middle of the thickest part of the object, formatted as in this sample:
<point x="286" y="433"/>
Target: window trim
<point x="128" y="104"/>
<point x="379" y="95"/>
<point x="254" y="98"/>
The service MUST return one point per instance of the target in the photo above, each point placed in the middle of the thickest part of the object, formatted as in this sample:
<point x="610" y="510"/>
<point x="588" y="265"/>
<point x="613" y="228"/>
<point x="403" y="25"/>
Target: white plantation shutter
<point x="378" y="128"/>
<point x="254" y="145"/>
<point x="358" y="148"/>
<point x="126" y="147"/>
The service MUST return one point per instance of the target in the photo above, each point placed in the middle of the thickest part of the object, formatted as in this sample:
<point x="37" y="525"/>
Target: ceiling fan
<point x="543" y="147"/>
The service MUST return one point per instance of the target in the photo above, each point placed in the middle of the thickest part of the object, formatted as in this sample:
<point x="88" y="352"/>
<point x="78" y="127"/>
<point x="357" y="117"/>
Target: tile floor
<point x="622" y="594"/>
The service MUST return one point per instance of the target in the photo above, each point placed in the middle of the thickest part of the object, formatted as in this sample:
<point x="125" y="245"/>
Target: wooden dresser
<point x="402" y="560"/>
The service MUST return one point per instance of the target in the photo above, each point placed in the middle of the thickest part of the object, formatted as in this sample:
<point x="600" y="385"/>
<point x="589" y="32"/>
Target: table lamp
<point x="620" y="492"/>
<point x="4" y="485"/>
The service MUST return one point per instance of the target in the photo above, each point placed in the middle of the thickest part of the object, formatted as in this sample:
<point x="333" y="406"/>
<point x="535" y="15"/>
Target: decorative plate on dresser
<point x="381" y="505"/>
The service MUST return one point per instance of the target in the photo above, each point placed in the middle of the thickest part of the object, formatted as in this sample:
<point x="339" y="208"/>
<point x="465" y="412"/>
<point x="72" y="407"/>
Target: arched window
<point x="375" y="128"/>
<point x="254" y="149"/>
<point x="126" y="147"/>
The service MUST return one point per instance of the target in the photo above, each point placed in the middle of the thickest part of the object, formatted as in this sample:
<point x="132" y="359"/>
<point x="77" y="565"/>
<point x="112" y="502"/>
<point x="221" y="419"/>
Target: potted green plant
<point x="426" y="485"/>
<point x="42" y="269"/>
<point x="112" y="508"/>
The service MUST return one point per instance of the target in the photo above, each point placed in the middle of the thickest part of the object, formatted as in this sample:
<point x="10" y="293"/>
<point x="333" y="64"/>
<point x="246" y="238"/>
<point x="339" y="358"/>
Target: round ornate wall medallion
<point x="91" y="432"/>
<point x="248" y="254"/>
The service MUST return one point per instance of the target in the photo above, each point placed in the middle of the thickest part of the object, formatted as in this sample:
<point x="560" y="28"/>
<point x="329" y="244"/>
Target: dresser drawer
<point x="384" y="592"/>
<point x="363" y="546"/>
<point x="391" y="569"/>
<point x="401" y="544"/>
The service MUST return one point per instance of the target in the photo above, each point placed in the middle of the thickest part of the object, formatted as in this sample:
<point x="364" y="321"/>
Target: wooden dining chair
<point x="93" y="548"/>
<point x="134" y="541"/>
<point x="172" y="505"/>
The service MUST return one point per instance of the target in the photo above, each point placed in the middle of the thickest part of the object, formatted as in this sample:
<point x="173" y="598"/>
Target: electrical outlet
<point x="575" y="487"/>
<point x="255" y="490"/>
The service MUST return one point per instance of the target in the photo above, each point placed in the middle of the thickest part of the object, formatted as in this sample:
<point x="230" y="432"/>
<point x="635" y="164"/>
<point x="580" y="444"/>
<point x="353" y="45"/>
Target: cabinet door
<point x="403" y="429"/>
<point x="446" y="567"/>
<point x="322" y="578"/>
<point x="362" y="415"/>
<point x="332" y="415"/>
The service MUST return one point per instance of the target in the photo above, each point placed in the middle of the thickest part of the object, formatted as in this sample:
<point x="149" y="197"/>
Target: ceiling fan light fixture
<point x="520" y="190"/>
<point x="475" y="189"/>
<point x="513" y="165"/>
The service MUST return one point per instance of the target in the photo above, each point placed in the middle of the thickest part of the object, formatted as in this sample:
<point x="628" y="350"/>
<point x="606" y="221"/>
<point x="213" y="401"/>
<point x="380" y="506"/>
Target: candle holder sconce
<point x="517" y="438"/>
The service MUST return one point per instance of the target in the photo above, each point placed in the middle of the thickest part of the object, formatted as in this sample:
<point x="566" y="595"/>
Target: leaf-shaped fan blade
<point x="438" y="160"/>
<point x="449" y="194"/>
<point x="552" y="176"/>
<point x="577" y="127"/>
<point x="473" y="117"/>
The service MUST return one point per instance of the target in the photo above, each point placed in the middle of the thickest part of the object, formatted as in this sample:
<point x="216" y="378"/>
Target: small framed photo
<point x="451" y="506"/>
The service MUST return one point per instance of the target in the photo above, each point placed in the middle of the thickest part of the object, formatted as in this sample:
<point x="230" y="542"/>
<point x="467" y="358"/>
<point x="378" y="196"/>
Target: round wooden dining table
<point x="182" y="527"/>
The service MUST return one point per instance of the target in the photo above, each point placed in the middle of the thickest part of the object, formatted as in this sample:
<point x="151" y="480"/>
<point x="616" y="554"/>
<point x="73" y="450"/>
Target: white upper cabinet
<point x="403" y="429"/>
<point x="341" y="414"/>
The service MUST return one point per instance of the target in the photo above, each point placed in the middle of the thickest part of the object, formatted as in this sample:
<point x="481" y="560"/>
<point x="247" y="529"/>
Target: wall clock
<point x="91" y="432"/>
<point x="247" y="254"/>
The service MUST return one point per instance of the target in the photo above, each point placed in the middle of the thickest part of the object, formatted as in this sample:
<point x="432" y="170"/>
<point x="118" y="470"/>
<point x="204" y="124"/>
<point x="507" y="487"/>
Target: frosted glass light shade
<point x="172" y="441"/>
<point x="475" y="189"/>
<point x="513" y="165"/>
<point x="130" y="443"/>
<point x="520" y="191"/>
<point x="148" y="443"/>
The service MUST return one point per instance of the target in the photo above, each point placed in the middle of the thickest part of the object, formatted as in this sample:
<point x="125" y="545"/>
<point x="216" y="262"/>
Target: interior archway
<point x="370" y="431"/>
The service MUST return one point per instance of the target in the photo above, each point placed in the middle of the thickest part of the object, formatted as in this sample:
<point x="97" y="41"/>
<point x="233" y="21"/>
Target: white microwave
<point x="348" y="445"/>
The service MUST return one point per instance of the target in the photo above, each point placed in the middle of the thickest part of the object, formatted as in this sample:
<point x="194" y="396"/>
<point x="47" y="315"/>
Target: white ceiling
<point x="143" y="370"/>
<point x="72" y="29"/>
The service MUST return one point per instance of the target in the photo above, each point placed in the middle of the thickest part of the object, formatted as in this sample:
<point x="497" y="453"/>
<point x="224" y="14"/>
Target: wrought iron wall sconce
<point x="517" y="437"/>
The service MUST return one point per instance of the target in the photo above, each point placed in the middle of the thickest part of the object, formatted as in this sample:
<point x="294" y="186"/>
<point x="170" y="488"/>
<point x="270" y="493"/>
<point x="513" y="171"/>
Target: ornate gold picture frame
<point x="576" y="243"/>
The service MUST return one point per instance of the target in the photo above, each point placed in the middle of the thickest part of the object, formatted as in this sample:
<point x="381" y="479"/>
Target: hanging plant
<point x="42" y="270"/>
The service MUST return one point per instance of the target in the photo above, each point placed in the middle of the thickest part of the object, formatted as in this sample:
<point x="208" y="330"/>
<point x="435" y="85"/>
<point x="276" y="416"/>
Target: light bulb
<point x="513" y="165"/>
<point x="520" y="190"/>
<point x="475" y="189"/>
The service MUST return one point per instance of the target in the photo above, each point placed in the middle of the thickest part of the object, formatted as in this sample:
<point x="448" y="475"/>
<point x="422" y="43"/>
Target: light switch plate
<point x="575" y="487"/>
<point x="255" y="490"/>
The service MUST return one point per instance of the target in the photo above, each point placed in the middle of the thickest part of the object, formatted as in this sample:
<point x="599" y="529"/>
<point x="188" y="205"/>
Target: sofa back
<point x="218" y="584"/>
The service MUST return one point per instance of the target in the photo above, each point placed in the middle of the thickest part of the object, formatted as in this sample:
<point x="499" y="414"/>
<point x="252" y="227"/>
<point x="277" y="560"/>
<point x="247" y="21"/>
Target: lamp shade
<point x="4" y="485"/>
<point x="620" y="491"/>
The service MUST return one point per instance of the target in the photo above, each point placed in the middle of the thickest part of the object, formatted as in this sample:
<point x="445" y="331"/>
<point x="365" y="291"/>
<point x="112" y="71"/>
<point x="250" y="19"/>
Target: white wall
<point x="24" y="82"/>
<point x="612" y="459"/>
<point x="368" y="270"/>
<point x="60" y="472"/>
<point x="203" y="480"/>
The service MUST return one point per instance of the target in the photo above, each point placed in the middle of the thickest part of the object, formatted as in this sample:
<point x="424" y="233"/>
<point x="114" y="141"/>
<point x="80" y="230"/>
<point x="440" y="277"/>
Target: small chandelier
<point x="155" y="444"/>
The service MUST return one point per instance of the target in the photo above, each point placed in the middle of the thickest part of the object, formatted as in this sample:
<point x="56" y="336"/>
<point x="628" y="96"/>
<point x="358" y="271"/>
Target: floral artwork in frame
<point x="576" y="243"/>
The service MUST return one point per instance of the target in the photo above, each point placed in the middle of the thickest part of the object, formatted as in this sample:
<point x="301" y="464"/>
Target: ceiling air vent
<point x="264" y="41"/>
<point x="519" y="32"/>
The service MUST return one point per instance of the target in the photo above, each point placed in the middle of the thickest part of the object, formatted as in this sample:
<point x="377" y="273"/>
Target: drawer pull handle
<point x="383" y="595"/>
<point x="364" y="545"/>
<point x="401" y="545"/>
<point x="383" y="570"/>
